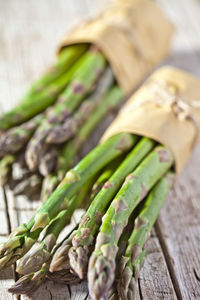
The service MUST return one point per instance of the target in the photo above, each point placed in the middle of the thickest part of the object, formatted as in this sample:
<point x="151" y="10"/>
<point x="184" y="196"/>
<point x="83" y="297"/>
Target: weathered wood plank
<point x="154" y="281"/>
<point x="179" y="224"/>
<point x="6" y="280"/>
<point x="48" y="291"/>
<point x="6" y="276"/>
<point x="178" y="228"/>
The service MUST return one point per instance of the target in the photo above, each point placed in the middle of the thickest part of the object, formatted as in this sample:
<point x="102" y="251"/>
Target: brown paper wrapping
<point x="167" y="109"/>
<point x="134" y="35"/>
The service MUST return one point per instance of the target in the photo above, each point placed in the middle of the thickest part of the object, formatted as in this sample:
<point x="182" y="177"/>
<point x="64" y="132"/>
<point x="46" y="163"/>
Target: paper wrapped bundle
<point x="98" y="64"/>
<point x="170" y="102"/>
<point x="134" y="36"/>
<point x="126" y="178"/>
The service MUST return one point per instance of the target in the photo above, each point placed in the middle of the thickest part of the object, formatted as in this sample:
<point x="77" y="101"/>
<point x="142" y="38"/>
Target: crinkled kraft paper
<point x="167" y="109"/>
<point x="134" y="35"/>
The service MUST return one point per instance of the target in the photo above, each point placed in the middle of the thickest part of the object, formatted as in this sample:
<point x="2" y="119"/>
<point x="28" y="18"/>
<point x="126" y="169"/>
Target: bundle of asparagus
<point x="59" y="112"/>
<point x="57" y="115"/>
<point x="138" y="165"/>
<point x="125" y="179"/>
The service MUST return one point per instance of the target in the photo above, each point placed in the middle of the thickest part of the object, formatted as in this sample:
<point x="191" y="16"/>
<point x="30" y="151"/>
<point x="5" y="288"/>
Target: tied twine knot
<point x="167" y="94"/>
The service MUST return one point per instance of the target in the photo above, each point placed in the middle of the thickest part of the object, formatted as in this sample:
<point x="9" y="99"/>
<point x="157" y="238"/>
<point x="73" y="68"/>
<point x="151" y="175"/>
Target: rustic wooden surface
<point x="29" y="31"/>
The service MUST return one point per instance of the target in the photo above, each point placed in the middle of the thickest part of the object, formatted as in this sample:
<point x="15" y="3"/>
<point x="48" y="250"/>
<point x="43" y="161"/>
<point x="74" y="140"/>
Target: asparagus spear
<point x="111" y="101"/>
<point x="60" y="262"/>
<point x="49" y="184"/>
<point x="60" y="267"/>
<point x="29" y="186"/>
<point x="52" y="180"/>
<point x="40" y="253"/>
<point x="106" y="173"/>
<point x="22" y="239"/>
<point x="134" y="256"/>
<point x="30" y="282"/>
<point x="122" y="245"/>
<point x="81" y="84"/>
<point x="64" y="61"/>
<point x="16" y="138"/>
<point x="137" y="184"/>
<point x="48" y="162"/>
<point x="35" y="264"/>
<point x="60" y="259"/>
<point x="63" y="132"/>
<point x="88" y="228"/>
<point x="31" y="105"/>
<point x="6" y="168"/>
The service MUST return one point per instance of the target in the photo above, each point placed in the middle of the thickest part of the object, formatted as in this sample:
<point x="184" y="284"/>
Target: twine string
<point x="166" y="94"/>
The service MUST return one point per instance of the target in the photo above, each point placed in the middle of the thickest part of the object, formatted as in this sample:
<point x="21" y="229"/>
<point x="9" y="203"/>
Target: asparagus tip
<point x="126" y="283"/>
<point x="100" y="275"/>
<point x="33" y="260"/>
<point x="78" y="258"/>
<point x="28" y="283"/>
<point x="60" y="259"/>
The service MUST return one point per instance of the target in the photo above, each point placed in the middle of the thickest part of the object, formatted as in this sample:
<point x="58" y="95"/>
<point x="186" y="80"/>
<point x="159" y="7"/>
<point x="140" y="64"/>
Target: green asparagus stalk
<point x="6" y="168"/>
<point x="89" y="226"/>
<point x="34" y="265"/>
<point x="122" y="245"/>
<point x="111" y="101"/>
<point x="49" y="184"/>
<point x="135" y="188"/>
<point x="64" y="61"/>
<point x="51" y="181"/>
<point x="22" y="239"/>
<point x="60" y="262"/>
<point x="31" y="105"/>
<point x="134" y="256"/>
<point x="16" y="138"/>
<point x="106" y="173"/>
<point x="63" y="132"/>
<point x="81" y="84"/>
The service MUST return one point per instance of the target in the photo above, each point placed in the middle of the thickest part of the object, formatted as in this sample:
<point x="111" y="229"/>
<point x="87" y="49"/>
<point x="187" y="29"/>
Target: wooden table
<point x="29" y="31"/>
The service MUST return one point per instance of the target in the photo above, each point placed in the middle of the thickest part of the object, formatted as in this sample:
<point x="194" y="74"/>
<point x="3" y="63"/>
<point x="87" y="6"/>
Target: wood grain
<point x="29" y="33"/>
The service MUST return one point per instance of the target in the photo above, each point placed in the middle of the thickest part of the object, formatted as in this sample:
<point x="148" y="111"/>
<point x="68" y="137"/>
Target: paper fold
<point x="167" y="109"/>
<point x="134" y="36"/>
